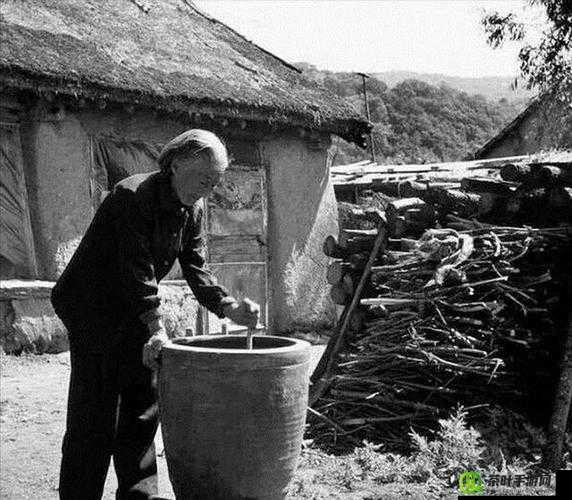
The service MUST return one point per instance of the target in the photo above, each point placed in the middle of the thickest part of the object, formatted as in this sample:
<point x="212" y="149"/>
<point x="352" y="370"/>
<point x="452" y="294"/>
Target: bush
<point x="456" y="449"/>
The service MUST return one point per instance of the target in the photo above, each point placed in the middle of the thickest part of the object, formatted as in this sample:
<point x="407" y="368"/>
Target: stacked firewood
<point x="536" y="192"/>
<point x="439" y="307"/>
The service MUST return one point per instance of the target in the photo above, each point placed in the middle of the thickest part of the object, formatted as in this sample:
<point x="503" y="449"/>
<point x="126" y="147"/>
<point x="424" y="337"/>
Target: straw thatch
<point x="508" y="130"/>
<point x="165" y="54"/>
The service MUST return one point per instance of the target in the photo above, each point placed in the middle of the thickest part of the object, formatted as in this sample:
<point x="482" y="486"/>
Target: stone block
<point x="28" y="322"/>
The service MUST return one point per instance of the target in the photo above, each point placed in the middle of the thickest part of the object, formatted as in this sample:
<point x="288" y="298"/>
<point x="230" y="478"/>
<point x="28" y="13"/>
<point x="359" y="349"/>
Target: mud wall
<point x="547" y="127"/>
<point x="57" y="162"/>
<point x="302" y="211"/>
<point x="301" y="203"/>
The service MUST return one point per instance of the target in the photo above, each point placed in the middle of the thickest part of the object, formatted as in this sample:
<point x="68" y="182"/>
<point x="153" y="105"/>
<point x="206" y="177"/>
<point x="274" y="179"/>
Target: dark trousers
<point x="108" y="393"/>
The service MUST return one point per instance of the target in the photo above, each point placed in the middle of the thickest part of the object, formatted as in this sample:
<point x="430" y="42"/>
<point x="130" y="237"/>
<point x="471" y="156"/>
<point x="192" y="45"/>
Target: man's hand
<point x="244" y="313"/>
<point x="152" y="349"/>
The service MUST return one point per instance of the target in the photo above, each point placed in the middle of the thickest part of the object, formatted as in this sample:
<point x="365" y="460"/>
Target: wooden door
<point x="236" y="239"/>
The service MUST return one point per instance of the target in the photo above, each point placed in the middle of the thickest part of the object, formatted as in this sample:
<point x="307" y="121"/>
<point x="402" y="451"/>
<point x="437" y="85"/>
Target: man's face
<point x="194" y="177"/>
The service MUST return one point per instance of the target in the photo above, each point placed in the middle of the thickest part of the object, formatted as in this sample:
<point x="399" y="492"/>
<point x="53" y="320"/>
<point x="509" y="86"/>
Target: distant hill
<point x="418" y="122"/>
<point x="492" y="87"/>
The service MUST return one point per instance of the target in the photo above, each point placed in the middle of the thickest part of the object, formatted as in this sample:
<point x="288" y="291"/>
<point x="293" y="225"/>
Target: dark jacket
<point x="109" y="287"/>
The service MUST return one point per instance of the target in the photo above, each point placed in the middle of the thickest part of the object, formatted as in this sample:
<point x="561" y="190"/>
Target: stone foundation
<point x="28" y="322"/>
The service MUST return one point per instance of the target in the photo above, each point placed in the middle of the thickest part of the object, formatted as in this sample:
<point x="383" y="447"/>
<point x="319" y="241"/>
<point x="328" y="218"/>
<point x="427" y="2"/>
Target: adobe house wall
<point x="57" y="165"/>
<point x="56" y="154"/>
<point x="302" y="212"/>
<point x="546" y="127"/>
<point x="301" y="205"/>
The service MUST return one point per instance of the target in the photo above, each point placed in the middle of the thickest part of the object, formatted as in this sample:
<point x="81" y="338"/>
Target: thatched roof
<point x="554" y="115"/>
<point x="508" y="130"/>
<point x="161" y="53"/>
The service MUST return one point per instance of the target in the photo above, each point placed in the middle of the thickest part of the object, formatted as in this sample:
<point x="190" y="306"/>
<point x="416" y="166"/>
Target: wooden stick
<point x="326" y="419"/>
<point x="322" y="373"/>
<point x="376" y="216"/>
<point x="388" y="301"/>
<point x="249" y="333"/>
<point x="371" y="420"/>
<point x="557" y="428"/>
<point x="397" y="207"/>
<point x="347" y="234"/>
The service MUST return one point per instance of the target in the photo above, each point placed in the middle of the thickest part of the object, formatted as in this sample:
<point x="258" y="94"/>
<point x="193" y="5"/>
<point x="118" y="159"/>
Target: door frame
<point x="204" y="313"/>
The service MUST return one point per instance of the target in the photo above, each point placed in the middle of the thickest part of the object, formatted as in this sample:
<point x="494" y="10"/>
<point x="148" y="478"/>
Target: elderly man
<point x="107" y="298"/>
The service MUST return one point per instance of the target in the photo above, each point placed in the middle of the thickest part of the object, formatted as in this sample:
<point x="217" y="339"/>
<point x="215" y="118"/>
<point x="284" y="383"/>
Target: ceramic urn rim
<point x="294" y="345"/>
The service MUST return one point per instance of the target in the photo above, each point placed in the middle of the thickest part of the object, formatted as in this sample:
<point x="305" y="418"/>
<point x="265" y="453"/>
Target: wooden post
<point x="553" y="458"/>
<point x="321" y="377"/>
<point x="363" y="77"/>
<point x="249" y="333"/>
<point x="200" y="321"/>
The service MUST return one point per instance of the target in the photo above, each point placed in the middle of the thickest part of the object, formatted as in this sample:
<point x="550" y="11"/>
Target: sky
<point x="425" y="36"/>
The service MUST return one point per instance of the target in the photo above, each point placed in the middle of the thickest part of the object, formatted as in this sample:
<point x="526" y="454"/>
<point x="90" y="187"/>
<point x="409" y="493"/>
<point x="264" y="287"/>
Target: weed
<point x="455" y="449"/>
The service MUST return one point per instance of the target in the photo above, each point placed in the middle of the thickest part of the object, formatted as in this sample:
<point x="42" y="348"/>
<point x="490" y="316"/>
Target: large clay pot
<point x="233" y="419"/>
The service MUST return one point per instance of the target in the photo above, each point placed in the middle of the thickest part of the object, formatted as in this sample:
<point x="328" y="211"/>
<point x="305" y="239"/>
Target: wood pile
<point x="534" y="192"/>
<point x="439" y="307"/>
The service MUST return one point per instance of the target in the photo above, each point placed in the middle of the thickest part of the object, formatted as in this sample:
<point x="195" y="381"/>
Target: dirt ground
<point x="33" y="394"/>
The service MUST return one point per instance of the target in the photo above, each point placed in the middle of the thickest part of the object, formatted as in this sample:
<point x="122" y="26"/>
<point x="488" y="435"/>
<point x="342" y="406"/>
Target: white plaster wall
<point x="302" y="211"/>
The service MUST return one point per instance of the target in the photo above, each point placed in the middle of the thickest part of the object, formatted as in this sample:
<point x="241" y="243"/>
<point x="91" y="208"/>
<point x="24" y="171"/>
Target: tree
<point x="545" y="64"/>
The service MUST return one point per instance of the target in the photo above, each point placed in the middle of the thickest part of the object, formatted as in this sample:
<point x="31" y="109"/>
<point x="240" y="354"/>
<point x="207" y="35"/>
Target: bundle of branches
<point x="441" y="321"/>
